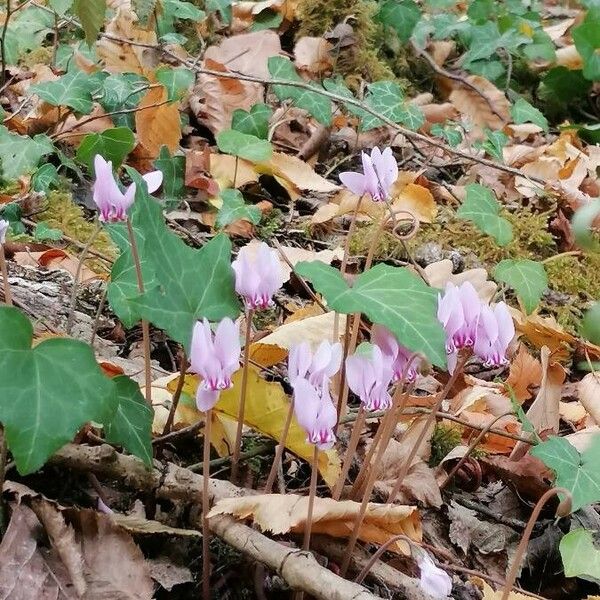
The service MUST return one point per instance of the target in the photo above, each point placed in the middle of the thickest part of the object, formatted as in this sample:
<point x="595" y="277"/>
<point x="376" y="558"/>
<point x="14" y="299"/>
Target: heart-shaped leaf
<point x="255" y="122"/>
<point x="21" y="154"/>
<point x="113" y="144"/>
<point x="391" y="296"/>
<point x="401" y="15"/>
<point x="173" y="170"/>
<point x="527" y="277"/>
<point x="580" y="556"/>
<point x="482" y="208"/>
<point x="522" y="112"/>
<point x="243" y="145"/>
<point x="73" y="89"/>
<point x="176" y="81"/>
<point x="47" y="393"/>
<point x="234" y="208"/>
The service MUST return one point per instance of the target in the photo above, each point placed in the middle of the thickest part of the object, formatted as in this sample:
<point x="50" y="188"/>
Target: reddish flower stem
<point x="4" y="271"/>
<point x="311" y="499"/>
<point x="205" y="508"/>
<point x="280" y="449"/>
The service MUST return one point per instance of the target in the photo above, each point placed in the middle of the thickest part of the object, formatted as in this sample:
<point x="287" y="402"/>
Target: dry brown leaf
<point x="439" y="273"/>
<point x="525" y="372"/>
<point x="222" y="168"/>
<point x="546" y="168"/>
<point x="313" y="55"/>
<point x="280" y="514"/>
<point x="493" y="111"/>
<point x="157" y="122"/>
<point x="569" y="57"/>
<point x="167" y="574"/>
<point x="574" y="412"/>
<point x="296" y="255"/>
<point x="490" y="594"/>
<point x="138" y="525"/>
<point x="197" y="171"/>
<point x="544" y="331"/>
<point x="589" y="395"/>
<point x="53" y="260"/>
<point x="297" y="172"/>
<point x="73" y="128"/>
<point x="417" y="200"/>
<point x="122" y="57"/>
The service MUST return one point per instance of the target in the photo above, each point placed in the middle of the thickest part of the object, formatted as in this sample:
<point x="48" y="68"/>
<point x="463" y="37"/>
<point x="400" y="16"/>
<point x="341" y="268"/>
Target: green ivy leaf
<point x="243" y="145"/>
<point x="587" y="41"/>
<point x="43" y="232"/>
<point x="590" y="324"/>
<point x="267" y="19"/>
<point x="21" y="154"/>
<point x="234" y="208"/>
<point x="522" y="112"/>
<point x="60" y="7"/>
<point x="564" y="84"/>
<point x="73" y="90"/>
<point x="386" y="98"/>
<point x="223" y="7"/>
<point x="452" y="135"/>
<point x="576" y="472"/>
<point x="494" y="143"/>
<point x="579" y="555"/>
<point x="123" y="91"/>
<point x="527" y="277"/>
<point x="177" y="81"/>
<point x="482" y="208"/>
<point x="27" y="31"/>
<point x="255" y="122"/>
<point x="113" y="144"/>
<point x="316" y="104"/>
<point x="53" y="390"/>
<point x="173" y="170"/>
<point x="131" y="424"/>
<point x="582" y="223"/>
<point x="143" y="9"/>
<point x="91" y="14"/>
<point x="412" y="116"/>
<point x="45" y="178"/>
<point x="391" y="296"/>
<point x="401" y="15"/>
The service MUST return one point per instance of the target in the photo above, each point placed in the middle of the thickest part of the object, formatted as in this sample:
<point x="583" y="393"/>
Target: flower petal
<point x="153" y="180"/>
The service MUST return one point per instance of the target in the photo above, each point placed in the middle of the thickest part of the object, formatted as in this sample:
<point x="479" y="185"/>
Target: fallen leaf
<point x="138" y="525"/>
<point x="53" y="260"/>
<point x="197" y="171"/>
<point x="544" y="331"/>
<point x="297" y="172"/>
<point x="490" y="594"/>
<point x="525" y="372"/>
<point x="589" y="395"/>
<point x="280" y="514"/>
<point x="222" y="168"/>
<point x="167" y="574"/>
<point x="313" y="55"/>
<point x="440" y="273"/>
<point x="417" y="200"/>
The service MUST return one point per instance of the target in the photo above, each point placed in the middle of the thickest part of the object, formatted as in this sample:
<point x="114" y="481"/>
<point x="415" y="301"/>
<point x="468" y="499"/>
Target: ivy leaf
<point x="113" y="144"/>
<point x="522" y="112"/>
<point x="44" y="178"/>
<point x="60" y="7"/>
<point x="43" y="232"/>
<point x="582" y="225"/>
<point x="412" y="116"/>
<point x="267" y="19"/>
<point x="53" y="390"/>
<point x="255" y="122"/>
<point x="176" y="81"/>
<point x="27" y="31"/>
<point x="391" y="296"/>
<point x="91" y="14"/>
<point x="243" y="145"/>
<point x="494" y="143"/>
<point x="234" y="208"/>
<point x="587" y="41"/>
<point x="401" y="15"/>
<point x="21" y="154"/>
<point x="452" y="135"/>
<point x="386" y="98"/>
<point x="143" y="9"/>
<point x="316" y="104"/>
<point x="576" y="472"/>
<point x="123" y="91"/>
<point x="482" y="208"/>
<point x="173" y="170"/>
<point x="131" y="424"/>
<point x="190" y="284"/>
<point x="223" y="7"/>
<point x="590" y="324"/>
<point x="579" y="555"/>
<point x="73" y="90"/>
<point x="527" y="277"/>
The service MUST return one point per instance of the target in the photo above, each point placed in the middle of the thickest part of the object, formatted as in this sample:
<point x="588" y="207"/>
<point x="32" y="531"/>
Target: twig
<point x="177" y="394"/>
<point x="350" y="452"/>
<point x="280" y="449"/>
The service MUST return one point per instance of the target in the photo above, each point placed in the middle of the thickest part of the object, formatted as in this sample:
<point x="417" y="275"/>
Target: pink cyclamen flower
<point x="380" y="171"/>
<point x="495" y="331"/>
<point x="369" y="374"/>
<point x="258" y="275"/>
<point x="315" y="412"/>
<point x="433" y="581"/>
<point x="111" y="201"/>
<point x="400" y="357"/>
<point x="215" y="358"/>
<point x="317" y="368"/>
<point x="3" y="229"/>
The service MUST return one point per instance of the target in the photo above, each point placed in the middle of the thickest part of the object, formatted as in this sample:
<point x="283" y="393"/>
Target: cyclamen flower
<point x="369" y="374"/>
<point x="317" y="369"/>
<point x="111" y="201"/>
<point x="258" y="275"/>
<point x="380" y="171"/>
<point x="399" y="356"/>
<point x="215" y="358"/>
<point x="495" y="331"/>
<point x="433" y="581"/>
<point x="315" y="412"/>
<point x="3" y="229"/>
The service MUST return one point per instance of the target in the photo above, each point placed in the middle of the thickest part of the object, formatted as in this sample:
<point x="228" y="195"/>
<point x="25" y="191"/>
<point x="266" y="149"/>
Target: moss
<point x="269" y="224"/>
<point x="444" y="439"/>
<point x="62" y="213"/>
<point x="38" y="56"/>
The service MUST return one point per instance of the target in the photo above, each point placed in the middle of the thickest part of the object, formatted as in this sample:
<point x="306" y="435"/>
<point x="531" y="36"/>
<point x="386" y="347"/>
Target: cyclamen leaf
<point x="27" y="31"/>
<point x="590" y="324"/>
<point x="576" y="472"/>
<point x="60" y="6"/>
<point x="43" y="232"/>
<point x="21" y="154"/>
<point x="45" y="178"/>
<point x="52" y="391"/>
<point x="255" y="122"/>
<point x="234" y="208"/>
<point x="391" y="296"/>
<point x="579" y="555"/>
<point x="527" y="277"/>
<point x="317" y="105"/>
<point x="113" y="144"/>
<point x="587" y="41"/>
<point x="91" y="14"/>
<point x="482" y="208"/>
<point x="522" y="112"/>
<point x="131" y="425"/>
<point x="173" y="170"/>
<point x="73" y="90"/>
<point x="243" y="145"/>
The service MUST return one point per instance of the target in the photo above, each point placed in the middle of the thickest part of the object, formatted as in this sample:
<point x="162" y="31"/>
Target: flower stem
<point x="235" y="171"/>
<point x="396" y="538"/>
<point x="242" y="408"/>
<point x="280" y="449"/>
<point x="145" y="326"/>
<point x="177" y="394"/>
<point x="537" y="509"/>
<point x="311" y="499"/>
<point x="350" y="452"/>
<point x="80" y="262"/>
<point x="205" y="508"/>
<point x="4" y="270"/>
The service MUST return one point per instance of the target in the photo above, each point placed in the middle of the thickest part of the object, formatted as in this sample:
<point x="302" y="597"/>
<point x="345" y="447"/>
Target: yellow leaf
<point x="417" y="200"/>
<point x="490" y="594"/>
<point x="280" y="514"/>
<point x="266" y="410"/>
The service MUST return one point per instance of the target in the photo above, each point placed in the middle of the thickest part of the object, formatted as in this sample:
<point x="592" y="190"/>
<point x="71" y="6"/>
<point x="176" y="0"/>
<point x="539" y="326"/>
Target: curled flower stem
<point x="311" y="498"/>
<point x="396" y="538"/>
<point x="537" y="509"/>
<point x="350" y="452"/>
<point x="145" y="326"/>
<point x="80" y="262"/>
<point x="280" y="449"/>
<point x="4" y="271"/>
<point x="472" y="447"/>
<point x="242" y="407"/>
<point x="428" y="423"/>
<point x="205" y="508"/>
